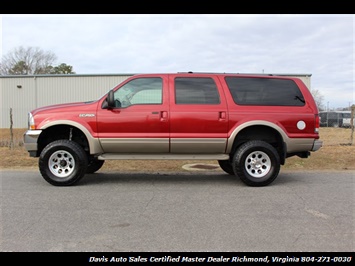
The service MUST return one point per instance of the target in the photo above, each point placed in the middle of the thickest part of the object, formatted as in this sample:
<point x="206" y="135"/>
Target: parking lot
<point x="187" y="211"/>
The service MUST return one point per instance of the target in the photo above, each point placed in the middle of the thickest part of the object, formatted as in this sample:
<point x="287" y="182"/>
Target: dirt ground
<point x="336" y="154"/>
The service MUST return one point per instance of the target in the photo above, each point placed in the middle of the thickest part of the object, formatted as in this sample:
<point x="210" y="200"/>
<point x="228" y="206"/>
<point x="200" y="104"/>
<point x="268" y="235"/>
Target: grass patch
<point x="336" y="154"/>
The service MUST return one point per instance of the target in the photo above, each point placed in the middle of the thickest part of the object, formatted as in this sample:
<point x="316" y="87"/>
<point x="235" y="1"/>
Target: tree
<point x="19" y="68"/>
<point x="62" y="69"/>
<point x="318" y="98"/>
<point x="31" y="61"/>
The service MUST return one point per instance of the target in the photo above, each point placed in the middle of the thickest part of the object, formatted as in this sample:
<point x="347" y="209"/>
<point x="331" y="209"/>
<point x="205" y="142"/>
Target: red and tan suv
<point x="250" y="124"/>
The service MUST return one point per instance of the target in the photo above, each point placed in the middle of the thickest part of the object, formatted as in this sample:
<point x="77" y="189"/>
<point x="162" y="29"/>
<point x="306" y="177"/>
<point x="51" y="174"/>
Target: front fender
<point x="94" y="144"/>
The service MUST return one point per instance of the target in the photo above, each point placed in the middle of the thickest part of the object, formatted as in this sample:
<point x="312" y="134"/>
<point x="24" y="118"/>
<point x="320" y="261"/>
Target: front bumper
<point x="30" y="139"/>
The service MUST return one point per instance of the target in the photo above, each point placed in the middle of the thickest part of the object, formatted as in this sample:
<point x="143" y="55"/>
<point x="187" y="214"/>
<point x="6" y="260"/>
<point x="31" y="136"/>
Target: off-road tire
<point x="257" y="163"/>
<point x="63" y="163"/>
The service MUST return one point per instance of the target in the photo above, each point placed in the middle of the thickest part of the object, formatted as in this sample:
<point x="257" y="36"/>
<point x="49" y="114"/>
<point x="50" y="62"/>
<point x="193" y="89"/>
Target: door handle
<point x="163" y="116"/>
<point x="222" y="116"/>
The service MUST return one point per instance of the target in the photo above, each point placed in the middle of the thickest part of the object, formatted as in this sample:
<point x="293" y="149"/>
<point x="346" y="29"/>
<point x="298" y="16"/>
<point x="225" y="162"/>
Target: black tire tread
<point x="76" y="150"/>
<point x="244" y="150"/>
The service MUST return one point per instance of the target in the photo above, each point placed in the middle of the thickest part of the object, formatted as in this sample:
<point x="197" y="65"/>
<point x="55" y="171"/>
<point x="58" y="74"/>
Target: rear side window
<point x="196" y="91"/>
<point x="265" y="91"/>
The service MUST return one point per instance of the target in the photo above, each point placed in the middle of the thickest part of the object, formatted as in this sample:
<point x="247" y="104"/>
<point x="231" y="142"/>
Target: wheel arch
<point x="64" y="129"/>
<point x="259" y="130"/>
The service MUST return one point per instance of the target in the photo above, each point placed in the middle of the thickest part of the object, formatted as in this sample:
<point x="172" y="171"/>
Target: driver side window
<point x="140" y="91"/>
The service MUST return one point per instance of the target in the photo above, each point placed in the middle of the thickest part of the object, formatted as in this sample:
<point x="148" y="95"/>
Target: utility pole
<point x="327" y="112"/>
<point x="352" y="123"/>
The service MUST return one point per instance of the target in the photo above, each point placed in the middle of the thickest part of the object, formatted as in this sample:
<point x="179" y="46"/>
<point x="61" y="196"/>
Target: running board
<point x="118" y="156"/>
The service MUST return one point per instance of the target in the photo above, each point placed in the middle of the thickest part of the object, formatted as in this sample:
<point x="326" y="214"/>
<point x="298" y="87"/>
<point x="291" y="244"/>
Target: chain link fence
<point x="336" y="119"/>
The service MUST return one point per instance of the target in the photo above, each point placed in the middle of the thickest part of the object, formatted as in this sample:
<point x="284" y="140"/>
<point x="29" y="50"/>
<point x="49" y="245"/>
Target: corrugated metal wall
<point x="38" y="91"/>
<point x="19" y="95"/>
<point x="25" y="93"/>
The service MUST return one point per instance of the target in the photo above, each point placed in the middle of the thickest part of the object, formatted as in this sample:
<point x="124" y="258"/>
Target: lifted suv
<point x="249" y="123"/>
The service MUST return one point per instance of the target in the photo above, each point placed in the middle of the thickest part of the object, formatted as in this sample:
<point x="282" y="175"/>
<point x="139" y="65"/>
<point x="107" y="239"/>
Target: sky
<point x="322" y="45"/>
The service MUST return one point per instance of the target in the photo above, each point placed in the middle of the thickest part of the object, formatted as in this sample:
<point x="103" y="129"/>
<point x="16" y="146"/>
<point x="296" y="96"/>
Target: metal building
<point x="25" y="93"/>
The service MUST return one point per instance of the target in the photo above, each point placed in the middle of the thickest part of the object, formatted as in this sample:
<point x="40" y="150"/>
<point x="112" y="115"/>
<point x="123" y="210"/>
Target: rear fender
<point x="239" y="128"/>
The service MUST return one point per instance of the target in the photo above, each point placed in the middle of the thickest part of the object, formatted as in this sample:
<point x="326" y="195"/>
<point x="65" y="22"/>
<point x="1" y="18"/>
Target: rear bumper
<point x="317" y="144"/>
<point x="296" y="145"/>
<point x="30" y="139"/>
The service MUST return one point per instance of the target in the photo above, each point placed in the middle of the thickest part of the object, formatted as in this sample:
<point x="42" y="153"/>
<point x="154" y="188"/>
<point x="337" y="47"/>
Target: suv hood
<point x="61" y="107"/>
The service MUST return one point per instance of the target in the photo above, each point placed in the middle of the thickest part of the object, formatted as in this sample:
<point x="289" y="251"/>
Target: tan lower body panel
<point x="135" y="145"/>
<point x="161" y="145"/>
<point x="299" y="144"/>
<point x="166" y="156"/>
<point x="198" y="145"/>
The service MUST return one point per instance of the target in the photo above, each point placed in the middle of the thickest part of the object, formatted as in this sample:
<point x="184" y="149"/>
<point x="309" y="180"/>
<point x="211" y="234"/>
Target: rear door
<point x="198" y="114"/>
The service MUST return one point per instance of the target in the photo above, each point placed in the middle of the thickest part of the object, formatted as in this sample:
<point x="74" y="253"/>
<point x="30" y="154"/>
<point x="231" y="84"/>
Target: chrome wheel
<point x="61" y="163"/>
<point x="258" y="164"/>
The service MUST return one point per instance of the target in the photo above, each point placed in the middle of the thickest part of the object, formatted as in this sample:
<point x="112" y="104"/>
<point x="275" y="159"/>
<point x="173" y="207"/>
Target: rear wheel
<point x="63" y="163"/>
<point x="257" y="163"/>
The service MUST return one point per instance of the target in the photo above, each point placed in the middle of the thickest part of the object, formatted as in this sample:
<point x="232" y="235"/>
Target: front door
<point x="140" y="121"/>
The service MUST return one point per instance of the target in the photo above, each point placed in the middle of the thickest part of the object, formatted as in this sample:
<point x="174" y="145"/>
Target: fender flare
<point x="94" y="143"/>
<point x="242" y="126"/>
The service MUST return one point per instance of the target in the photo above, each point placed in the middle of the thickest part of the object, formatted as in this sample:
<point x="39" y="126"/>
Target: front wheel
<point x="63" y="163"/>
<point x="257" y="163"/>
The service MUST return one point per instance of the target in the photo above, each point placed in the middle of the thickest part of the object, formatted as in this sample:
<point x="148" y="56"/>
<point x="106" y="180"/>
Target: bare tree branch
<point x="27" y="61"/>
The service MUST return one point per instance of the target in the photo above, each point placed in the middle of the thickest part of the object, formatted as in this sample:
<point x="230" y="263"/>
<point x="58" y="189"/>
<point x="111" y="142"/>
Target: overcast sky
<point x="320" y="45"/>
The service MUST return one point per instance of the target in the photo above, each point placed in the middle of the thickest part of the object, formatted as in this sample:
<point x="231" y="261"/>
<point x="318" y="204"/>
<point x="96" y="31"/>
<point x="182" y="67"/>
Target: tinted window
<point x="265" y="91"/>
<point x="140" y="91"/>
<point x="196" y="91"/>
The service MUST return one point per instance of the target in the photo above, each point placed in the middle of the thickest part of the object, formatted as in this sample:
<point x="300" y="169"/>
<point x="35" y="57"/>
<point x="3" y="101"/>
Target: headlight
<point x="31" y="121"/>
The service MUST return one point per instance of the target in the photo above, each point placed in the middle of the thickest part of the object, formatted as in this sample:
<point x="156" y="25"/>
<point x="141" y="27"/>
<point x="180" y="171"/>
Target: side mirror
<point x="110" y="99"/>
<point x="110" y="102"/>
